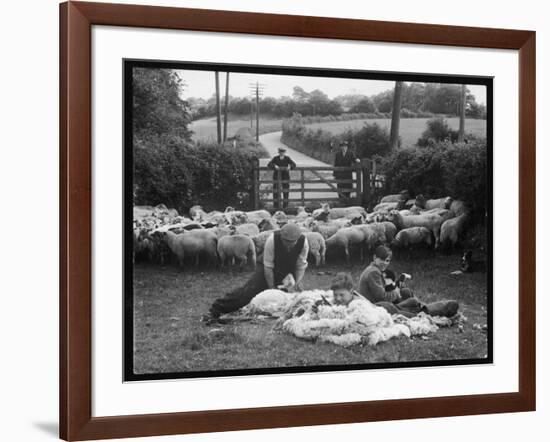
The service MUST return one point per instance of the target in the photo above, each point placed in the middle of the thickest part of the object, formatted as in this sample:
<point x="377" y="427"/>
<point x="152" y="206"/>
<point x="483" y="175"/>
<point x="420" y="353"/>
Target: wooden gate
<point x="310" y="186"/>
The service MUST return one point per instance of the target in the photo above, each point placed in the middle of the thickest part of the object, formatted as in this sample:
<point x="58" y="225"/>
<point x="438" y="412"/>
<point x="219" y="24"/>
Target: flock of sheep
<point x="237" y="237"/>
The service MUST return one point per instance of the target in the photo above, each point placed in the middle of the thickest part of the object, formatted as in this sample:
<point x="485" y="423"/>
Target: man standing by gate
<point x="344" y="158"/>
<point x="281" y="165"/>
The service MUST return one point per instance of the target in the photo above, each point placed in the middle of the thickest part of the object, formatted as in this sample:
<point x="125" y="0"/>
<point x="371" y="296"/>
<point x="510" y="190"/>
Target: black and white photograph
<point x="285" y="220"/>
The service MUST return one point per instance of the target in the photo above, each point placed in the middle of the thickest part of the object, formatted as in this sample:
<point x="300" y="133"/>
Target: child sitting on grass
<point x="342" y="288"/>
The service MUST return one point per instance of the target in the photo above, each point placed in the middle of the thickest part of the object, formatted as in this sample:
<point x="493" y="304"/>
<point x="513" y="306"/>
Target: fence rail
<point x="310" y="184"/>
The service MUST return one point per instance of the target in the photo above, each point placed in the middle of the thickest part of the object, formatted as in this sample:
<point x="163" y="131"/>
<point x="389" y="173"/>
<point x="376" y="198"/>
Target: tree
<point x="396" y="115"/>
<point x="365" y="105"/>
<point x="157" y="107"/>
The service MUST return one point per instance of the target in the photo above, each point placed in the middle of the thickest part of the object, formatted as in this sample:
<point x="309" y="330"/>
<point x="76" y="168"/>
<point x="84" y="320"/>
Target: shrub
<point x="171" y="171"/>
<point x="458" y="170"/>
<point x="437" y="130"/>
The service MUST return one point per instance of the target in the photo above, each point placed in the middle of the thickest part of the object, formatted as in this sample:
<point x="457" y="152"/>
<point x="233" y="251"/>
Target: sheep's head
<point x="393" y="215"/>
<point x="325" y="207"/>
<point x="229" y="209"/>
<point x="447" y="203"/>
<point x="420" y="201"/>
<point x="301" y="209"/>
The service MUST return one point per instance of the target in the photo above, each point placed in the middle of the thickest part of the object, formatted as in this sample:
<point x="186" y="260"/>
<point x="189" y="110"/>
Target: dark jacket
<point x="341" y="160"/>
<point x="372" y="286"/>
<point x="284" y="162"/>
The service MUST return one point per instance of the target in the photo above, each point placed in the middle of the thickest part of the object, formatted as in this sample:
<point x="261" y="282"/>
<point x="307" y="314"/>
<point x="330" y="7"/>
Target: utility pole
<point x="396" y="115"/>
<point x="226" y="106"/>
<point x="218" y="108"/>
<point x="257" y="90"/>
<point x="462" y="109"/>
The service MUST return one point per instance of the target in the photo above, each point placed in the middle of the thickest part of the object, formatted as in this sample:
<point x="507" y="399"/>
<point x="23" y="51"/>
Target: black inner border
<point x="128" y="298"/>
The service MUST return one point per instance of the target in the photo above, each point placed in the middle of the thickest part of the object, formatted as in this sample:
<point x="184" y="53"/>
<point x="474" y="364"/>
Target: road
<point x="272" y="141"/>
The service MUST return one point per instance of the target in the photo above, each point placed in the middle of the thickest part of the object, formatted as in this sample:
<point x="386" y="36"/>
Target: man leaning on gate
<point x="344" y="158"/>
<point x="281" y="165"/>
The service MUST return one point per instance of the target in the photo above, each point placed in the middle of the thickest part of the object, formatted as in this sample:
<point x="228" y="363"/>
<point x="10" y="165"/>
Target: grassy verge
<point x="170" y="338"/>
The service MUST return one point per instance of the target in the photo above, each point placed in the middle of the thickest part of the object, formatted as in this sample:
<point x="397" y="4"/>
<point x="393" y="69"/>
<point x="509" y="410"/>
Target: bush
<point x="171" y="171"/>
<point x="442" y="169"/>
<point x="437" y="130"/>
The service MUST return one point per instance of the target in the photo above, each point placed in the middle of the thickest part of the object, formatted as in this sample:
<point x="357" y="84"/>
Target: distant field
<point x="206" y="129"/>
<point x="410" y="129"/>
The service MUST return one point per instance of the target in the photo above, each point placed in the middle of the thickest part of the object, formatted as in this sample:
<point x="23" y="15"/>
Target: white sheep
<point x="237" y="248"/>
<point x="451" y="230"/>
<point x="317" y="246"/>
<point x="257" y="216"/>
<point x="325" y="229"/>
<point x="431" y="221"/>
<point x="192" y="244"/>
<point x="248" y="229"/>
<point x="260" y="240"/>
<point x="404" y="195"/>
<point x="344" y="238"/>
<point x="302" y="215"/>
<point x="438" y="203"/>
<point x="280" y="218"/>
<point x="412" y="236"/>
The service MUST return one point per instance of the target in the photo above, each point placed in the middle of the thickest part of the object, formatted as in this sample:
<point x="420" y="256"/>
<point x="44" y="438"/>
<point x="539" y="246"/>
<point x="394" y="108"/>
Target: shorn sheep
<point x="451" y="230"/>
<point x="404" y="195"/>
<point x="429" y="220"/>
<point x="412" y="236"/>
<point x="193" y="244"/>
<point x="317" y="247"/>
<point x="237" y="249"/>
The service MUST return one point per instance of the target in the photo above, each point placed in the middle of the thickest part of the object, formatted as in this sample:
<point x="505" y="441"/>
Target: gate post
<point x="365" y="167"/>
<point x="256" y="183"/>
<point x="358" y="193"/>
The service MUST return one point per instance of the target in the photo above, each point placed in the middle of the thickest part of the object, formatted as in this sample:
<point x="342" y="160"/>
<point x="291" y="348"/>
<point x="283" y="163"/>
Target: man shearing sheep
<point x="285" y="252"/>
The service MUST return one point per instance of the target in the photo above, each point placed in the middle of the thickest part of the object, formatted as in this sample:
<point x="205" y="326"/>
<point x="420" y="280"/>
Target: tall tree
<point x="395" y="115"/>
<point x="218" y="108"/>
<point x="226" y="106"/>
<point x="158" y="109"/>
<point x="462" y="109"/>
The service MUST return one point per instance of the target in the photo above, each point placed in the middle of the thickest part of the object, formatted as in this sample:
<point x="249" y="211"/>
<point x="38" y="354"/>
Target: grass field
<point x="169" y="336"/>
<point x="410" y="129"/>
<point x="206" y="129"/>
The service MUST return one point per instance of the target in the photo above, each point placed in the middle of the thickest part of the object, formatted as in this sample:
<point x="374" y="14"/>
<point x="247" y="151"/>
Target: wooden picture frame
<point x="76" y="421"/>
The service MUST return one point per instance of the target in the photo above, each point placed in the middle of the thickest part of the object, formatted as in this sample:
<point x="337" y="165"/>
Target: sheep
<point x="404" y="195"/>
<point x="257" y="216"/>
<point x="239" y="248"/>
<point x="458" y="208"/>
<point x="302" y="215"/>
<point x="192" y="243"/>
<point x="325" y="213"/>
<point x="389" y="230"/>
<point x="248" y="229"/>
<point x="260" y="240"/>
<point x="431" y="221"/>
<point x="280" y="218"/>
<point x="451" y="230"/>
<point x="344" y="238"/>
<point x="439" y="203"/>
<point x="267" y="224"/>
<point x="374" y="234"/>
<point x="325" y="229"/>
<point x="317" y="246"/>
<point x="385" y="207"/>
<point x="235" y="216"/>
<point x="412" y="236"/>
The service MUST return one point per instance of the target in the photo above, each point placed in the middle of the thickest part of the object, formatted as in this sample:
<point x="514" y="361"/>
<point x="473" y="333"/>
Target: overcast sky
<point x="200" y="84"/>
